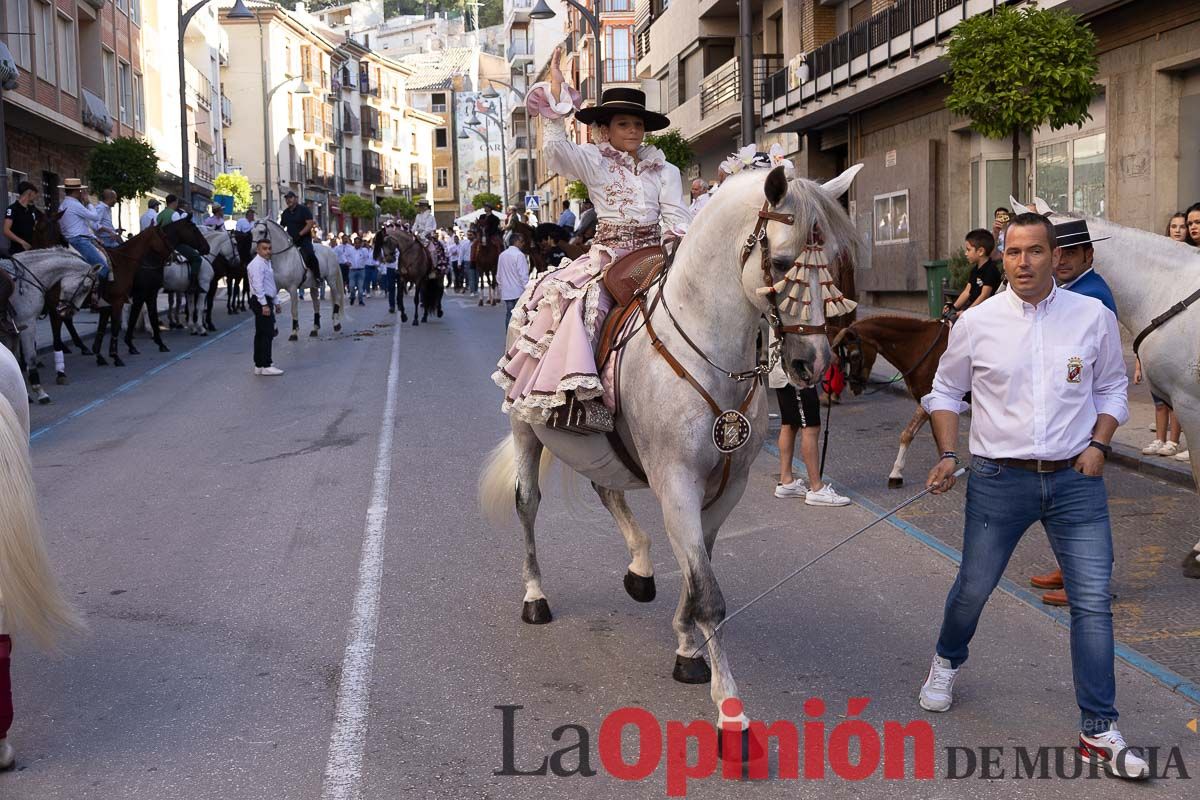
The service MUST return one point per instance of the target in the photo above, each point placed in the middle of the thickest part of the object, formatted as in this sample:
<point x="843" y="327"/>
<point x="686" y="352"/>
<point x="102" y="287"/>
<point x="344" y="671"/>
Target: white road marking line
<point x="347" y="742"/>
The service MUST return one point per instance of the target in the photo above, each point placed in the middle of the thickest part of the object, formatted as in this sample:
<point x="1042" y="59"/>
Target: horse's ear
<point x="841" y="184"/>
<point x="776" y="186"/>
<point x="1020" y="208"/>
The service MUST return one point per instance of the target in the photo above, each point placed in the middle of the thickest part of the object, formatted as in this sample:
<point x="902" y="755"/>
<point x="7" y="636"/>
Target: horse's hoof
<point x="66" y="351"/>
<point x="293" y="338"/>
<point x="639" y="588"/>
<point x="44" y="400"/>
<point x="536" y="612"/>
<point x="481" y="304"/>
<point x="100" y="362"/>
<point x="133" y="351"/>
<point x="162" y="348"/>
<point x="415" y="323"/>
<point x="203" y="332"/>
<point x="895" y="483"/>
<point x="210" y="327"/>
<point x="61" y="379"/>
<point x="83" y="351"/>
<point x="337" y="328"/>
<point x="439" y="313"/>
<point x="313" y="334"/>
<point x="117" y="362"/>
<point x="691" y="670"/>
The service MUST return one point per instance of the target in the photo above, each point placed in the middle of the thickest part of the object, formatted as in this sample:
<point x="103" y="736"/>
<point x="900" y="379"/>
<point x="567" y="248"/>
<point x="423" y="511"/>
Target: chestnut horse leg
<point x="896" y="479"/>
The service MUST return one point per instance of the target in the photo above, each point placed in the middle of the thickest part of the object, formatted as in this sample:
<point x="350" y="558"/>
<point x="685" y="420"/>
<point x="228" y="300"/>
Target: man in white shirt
<point x="1047" y="379"/>
<point x="149" y="219"/>
<point x="425" y="223"/>
<point x="455" y="256"/>
<point x="246" y="223"/>
<point x="345" y="256"/>
<point x="76" y="225"/>
<point x="105" y="230"/>
<point x="262" y="303"/>
<point x="512" y="273"/>
<point x="358" y="271"/>
<point x="700" y="196"/>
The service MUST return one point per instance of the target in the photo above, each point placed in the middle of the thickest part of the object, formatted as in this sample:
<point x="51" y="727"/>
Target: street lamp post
<point x="528" y="127"/>
<point x="543" y="11"/>
<point x="486" y="148"/>
<point x="239" y="11"/>
<point x="474" y="120"/>
<point x="298" y="87"/>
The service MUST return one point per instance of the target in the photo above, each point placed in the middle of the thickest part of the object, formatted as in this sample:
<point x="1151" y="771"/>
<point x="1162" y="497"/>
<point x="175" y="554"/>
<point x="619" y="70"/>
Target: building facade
<point x="80" y="81"/>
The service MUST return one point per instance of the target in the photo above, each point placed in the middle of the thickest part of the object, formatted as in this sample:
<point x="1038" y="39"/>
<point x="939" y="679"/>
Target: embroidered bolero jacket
<point x="648" y="191"/>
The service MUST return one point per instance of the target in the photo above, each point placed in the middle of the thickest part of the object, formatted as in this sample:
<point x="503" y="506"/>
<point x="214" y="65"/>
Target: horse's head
<point x="46" y="231"/>
<point x="807" y="233"/>
<point x="856" y="356"/>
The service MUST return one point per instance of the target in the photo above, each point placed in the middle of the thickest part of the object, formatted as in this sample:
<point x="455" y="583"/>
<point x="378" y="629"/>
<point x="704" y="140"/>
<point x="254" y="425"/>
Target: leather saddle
<point x="624" y="280"/>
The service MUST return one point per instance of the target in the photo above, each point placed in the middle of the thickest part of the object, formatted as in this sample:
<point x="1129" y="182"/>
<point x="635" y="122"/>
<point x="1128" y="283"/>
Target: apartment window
<point x="443" y="177"/>
<point x="125" y="90"/>
<point x="67" y="55"/>
<point x="110" y="83"/>
<point x="135" y="11"/>
<point x="618" y="50"/>
<point x="439" y="102"/>
<point x="17" y="22"/>
<point x="996" y="174"/>
<point x="440" y="138"/>
<point x="139" y="104"/>
<point x="45" y="42"/>
<point x="123" y="5"/>
<point x="1070" y="175"/>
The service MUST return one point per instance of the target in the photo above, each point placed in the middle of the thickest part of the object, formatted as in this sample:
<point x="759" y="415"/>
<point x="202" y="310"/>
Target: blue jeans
<point x="1002" y="502"/>
<point x="358" y="278"/>
<point x="509" y="305"/>
<point x="389" y="285"/>
<point x="372" y="281"/>
<point x="86" y="246"/>
<point x="472" y="278"/>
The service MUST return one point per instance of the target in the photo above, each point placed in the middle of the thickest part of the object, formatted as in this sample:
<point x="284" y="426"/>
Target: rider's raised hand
<point x="556" y="76"/>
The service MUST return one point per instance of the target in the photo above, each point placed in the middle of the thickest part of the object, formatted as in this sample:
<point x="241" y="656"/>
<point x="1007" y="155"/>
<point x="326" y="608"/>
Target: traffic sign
<point x="533" y="202"/>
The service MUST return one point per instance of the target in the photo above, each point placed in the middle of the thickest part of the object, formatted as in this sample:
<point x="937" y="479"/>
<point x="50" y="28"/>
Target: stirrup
<point x="581" y="417"/>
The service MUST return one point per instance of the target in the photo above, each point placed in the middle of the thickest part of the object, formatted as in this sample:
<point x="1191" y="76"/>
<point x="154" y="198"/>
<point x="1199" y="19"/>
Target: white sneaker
<point x="825" y="496"/>
<point x="1154" y="448"/>
<point x="258" y="370"/>
<point x="8" y="759"/>
<point x="1109" y="749"/>
<point x="1168" y="449"/>
<point x="1182" y="455"/>
<point x="270" y="371"/>
<point x="1153" y="427"/>
<point x="938" y="692"/>
<point x="794" y="489"/>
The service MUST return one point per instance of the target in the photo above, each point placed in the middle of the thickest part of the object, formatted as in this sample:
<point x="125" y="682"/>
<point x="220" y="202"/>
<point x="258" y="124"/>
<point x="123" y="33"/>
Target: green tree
<point x="674" y="147"/>
<point x="237" y="186"/>
<point x="577" y="190"/>
<point x="127" y="165"/>
<point x="1017" y="69"/>
<point x="357" y="206"/>
<point x="400" y="207"/>
<point x="483" y="198"/>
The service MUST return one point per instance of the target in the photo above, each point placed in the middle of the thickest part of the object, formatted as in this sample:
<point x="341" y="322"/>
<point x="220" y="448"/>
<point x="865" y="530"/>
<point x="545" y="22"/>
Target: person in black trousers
<point x="262" y="304"/>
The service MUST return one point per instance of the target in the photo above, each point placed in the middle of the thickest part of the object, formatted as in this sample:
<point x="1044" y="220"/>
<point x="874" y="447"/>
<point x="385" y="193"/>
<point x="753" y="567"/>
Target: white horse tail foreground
<point x="292" y="275"/>
<point x="30" y="600"/>
<point x="713" y="295"/>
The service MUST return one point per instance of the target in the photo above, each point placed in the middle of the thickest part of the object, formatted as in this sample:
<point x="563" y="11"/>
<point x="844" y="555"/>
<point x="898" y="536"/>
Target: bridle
<point x="25" y="275"/>
<point x="847" y="361"/>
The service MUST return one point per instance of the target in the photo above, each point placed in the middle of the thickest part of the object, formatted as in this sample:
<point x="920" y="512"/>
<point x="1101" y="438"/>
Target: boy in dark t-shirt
<point x="984" y="279"/>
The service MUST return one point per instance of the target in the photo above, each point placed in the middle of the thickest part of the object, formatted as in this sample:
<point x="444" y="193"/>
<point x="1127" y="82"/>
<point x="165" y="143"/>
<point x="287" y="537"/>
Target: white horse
<point x="30" y="600"/>
<point x="177" y="286"/>
<point x="1148" y="273"/>
<point x="713" y="295"/>
<point x="292" y="275"/>
<point x="36" y="272"/>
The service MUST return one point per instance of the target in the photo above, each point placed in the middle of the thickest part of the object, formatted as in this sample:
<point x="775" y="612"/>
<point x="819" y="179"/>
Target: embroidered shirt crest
<point x="1074" y="369"/>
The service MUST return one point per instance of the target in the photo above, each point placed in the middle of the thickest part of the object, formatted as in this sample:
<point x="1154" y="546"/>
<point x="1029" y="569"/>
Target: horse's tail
<point x="29" y="594"/>
<point x="498" y="481"/>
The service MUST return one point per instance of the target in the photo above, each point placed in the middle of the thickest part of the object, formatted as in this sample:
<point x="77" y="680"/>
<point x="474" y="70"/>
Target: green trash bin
<point x="937" y="278"/>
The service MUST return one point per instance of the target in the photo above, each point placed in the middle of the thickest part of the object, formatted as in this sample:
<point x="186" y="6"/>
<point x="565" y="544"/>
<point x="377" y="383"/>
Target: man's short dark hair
<point x="171" y="199"/>
<point x="566" y="204"/>
<point x="1001" y="208"/>
<point x="25" y="186"/>
<point x="1032" y="220"/>
<point x="982" y="238"/>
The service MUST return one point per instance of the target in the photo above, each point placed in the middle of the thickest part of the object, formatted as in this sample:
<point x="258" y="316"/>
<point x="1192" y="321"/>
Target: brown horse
<point x="154" y="246"/>
<point x="414" y="266"/>
<point x="914" y="346"/>
<point x="485" y="255"/>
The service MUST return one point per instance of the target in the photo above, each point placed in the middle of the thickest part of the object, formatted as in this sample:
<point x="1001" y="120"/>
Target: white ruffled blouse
<point x="646" y="192"/>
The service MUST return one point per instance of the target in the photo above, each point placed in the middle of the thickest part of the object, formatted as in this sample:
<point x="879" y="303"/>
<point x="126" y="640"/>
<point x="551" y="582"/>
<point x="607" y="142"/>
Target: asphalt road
<point x="223" y="536"/>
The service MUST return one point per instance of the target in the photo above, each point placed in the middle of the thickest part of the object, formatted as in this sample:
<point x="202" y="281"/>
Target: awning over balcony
<point x="95" y="113"/>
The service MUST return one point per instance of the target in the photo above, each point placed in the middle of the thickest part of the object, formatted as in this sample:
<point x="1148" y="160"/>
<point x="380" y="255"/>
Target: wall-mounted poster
<point x="891" y="218"/>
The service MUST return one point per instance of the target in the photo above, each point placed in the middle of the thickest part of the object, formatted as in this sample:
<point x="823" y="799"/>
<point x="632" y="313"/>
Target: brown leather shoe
<point x="1055" y="597"/>
<point x="1051" y="580"/>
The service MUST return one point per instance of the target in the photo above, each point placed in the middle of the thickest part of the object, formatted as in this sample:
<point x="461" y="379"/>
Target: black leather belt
<point x="1037" y="464"/>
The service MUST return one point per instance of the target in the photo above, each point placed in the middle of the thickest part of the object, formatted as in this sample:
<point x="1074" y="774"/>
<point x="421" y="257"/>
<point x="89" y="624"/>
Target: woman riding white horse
<point x="30" y="600"/>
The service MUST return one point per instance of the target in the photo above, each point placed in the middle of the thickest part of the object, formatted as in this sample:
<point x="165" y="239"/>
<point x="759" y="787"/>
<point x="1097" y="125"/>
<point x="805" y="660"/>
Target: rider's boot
<point x="194" y="274"/>
<point x="8" y="321"/>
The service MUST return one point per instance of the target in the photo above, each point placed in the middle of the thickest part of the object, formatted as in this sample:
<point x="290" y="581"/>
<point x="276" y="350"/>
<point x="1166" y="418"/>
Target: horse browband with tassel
<point x="793" y="289"/>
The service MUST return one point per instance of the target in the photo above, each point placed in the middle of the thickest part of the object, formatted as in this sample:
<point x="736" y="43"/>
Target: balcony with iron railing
<point x="902" y="39"/>
<point x="226" y="111"/>
<point x="200" y="86"/>
<point x="519" y="51"/>
<point x="204" y="167"/>
<point x="518" y="11"/>
<point x="614" y="6"/>
<point x="354" y="172"/>
<point x="721" y="91"/>
<point x="372" y="175"/>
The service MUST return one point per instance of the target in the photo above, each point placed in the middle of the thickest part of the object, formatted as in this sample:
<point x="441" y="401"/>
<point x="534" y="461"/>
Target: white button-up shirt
<point x="1038" y="376"/>
<point x="148" y="220"/>
<point x="512" y="273"/>
<point x="77" y="219"/>
<point x="244" y="225"/>
<point x="424" y="223"/>
<point x="363" y="258"/>
<point x="464" y="251"/>
<point x="262" y="280"/>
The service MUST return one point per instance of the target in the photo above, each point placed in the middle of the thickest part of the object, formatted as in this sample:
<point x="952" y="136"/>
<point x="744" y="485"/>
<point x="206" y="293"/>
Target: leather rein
<point x="1158" y="321"/>
<point x="731" y="428"/>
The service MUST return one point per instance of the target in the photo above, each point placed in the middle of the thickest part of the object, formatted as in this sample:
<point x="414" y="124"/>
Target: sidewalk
<point x="1130" y="438"/>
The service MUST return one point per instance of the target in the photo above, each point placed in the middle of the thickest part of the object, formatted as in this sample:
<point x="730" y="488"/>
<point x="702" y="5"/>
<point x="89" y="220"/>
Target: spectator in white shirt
<point x="1047" y="379"/>
<point x="345" y="256"/>
<point x="246" y="222"/>
<point x="106" y="231"/>
<point x="262" y="303"/>
<point x="700" y="196"/>
<point x="358" y="271"/>
<point x="512" y="273"/>
<point x="387" y="271"/>
<point x="468" y="266"/>
<point x="150" y="218"/>
<point x="456" y="268"/>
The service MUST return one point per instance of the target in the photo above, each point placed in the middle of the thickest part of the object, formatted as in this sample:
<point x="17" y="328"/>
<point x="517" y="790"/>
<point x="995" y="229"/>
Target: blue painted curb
<point x="1164" y="675"/>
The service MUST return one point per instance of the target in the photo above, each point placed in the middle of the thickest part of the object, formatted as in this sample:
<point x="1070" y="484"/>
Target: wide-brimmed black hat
<point x="622" y="101"/>
<point x="1073" y="233"/>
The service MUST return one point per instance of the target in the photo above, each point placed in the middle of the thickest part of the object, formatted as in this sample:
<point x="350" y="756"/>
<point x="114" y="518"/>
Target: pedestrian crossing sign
<point x="533" y="202"/>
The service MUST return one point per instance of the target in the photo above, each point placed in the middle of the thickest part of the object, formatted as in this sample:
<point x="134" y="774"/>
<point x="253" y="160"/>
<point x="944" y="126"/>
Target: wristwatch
<point x="1103" y="448"/>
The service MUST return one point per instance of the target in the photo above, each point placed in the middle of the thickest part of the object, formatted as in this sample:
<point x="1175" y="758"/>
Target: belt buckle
<point x="1042" y="471"/>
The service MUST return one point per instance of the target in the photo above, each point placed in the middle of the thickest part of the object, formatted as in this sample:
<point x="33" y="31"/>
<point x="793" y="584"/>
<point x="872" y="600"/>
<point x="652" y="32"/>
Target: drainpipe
<point x="746" y="70"/>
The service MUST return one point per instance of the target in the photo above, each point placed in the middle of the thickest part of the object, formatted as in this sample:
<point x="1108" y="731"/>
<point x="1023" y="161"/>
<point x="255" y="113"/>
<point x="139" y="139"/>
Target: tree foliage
<point x="127" y="165"/>
<point x="400" y="207"/>
<point x="1017" y="69"/>
<point x="577" y="190"/>
<point x="484" y="198"/>
<point x="237" y="186"/>
<point x="674" y="147"/>
<point x="357" y="206"/>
